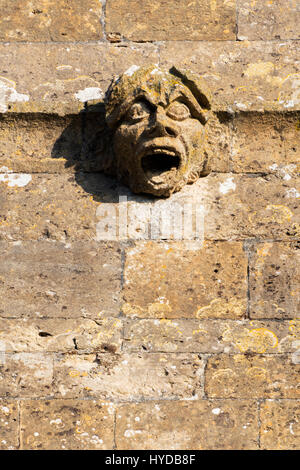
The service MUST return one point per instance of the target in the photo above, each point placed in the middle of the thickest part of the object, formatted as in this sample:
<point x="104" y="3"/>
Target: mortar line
<point x="20" y="429"/>
<point x="114" y="429"/>
<point x="126" y="42"/>
<point x="103" y="19"/>
<point x="259" y="402"/>
<point x="237" y="20"/>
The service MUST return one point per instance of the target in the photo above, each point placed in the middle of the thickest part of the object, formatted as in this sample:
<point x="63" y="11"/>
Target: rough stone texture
<point x="49" y="279"/>
<point x="275" y="280"/>
<point x="128" y="377"/>
<point x="242" y="75"/>
<point x="64" y="207"/>
<point x="280" y="425"/>
<point x="192" y="425"/>
<point x="60" y="335"/>
<point x="207" y="356"/>
<point x="266" y="143"/>
<point x="61" y="207"/>
<point x="166" y="281"/>
<point x="291" y="139"/>
<point x="41" y="20"/>
<point x="253" y="376"/>
<point x="30" y="143"/>
<point x="68" y="75"/>
<point x="9" y="425"/>
<point x="26" y="375"/>
<point x="265" y="19"/>
<point x="66" y="425"/>
<point x="247" y="142"/>
<point x="212" y="336"/>
<point x="176" y="19"/>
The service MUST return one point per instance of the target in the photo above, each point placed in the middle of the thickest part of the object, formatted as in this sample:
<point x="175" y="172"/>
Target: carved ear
<point x="197" y="86"/>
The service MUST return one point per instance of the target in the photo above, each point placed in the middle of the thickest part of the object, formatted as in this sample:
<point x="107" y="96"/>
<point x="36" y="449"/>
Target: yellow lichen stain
<point x="294" y="329"/>
<point x="260" y="69"/>
<point x="280" y="213"/>
<point x="258" y="340"/>
<point x="170" y="324"/>
<point x="258" y="373"/>
<point x="222" y="374"/>
<point x="221" y="308"/>
<point x="77" y="373"/>
<point x="155" y="309"/>
<point x="199" y="331"/>
<point x="260" y="261"/>
<point x="213" y="5"/>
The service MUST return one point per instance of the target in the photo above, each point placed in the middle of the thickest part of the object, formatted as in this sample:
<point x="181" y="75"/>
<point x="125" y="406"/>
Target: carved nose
<point x="163" y="126"/>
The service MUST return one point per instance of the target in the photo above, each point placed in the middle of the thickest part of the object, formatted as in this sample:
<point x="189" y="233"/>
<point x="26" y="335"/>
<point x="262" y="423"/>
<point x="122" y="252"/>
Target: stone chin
<point x="159" y="167"/>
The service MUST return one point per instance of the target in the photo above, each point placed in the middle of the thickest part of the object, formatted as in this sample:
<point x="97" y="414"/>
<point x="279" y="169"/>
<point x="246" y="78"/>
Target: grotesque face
<point x="159" y="139"/>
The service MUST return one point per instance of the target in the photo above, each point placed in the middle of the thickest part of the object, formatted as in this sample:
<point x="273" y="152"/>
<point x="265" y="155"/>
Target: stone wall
<point x="149" y="343"/>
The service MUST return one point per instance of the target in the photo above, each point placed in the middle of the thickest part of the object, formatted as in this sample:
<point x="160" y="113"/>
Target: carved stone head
<point x="158" y="122"/>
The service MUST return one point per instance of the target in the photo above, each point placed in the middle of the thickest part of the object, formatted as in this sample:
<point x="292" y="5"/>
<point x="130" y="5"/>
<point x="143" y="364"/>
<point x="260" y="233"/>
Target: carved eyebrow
<point x="187" y="97"/>
<point x="144" y="98"/>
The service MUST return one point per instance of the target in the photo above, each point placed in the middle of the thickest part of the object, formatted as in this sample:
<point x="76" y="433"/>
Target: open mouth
<point x="158" y="162"/>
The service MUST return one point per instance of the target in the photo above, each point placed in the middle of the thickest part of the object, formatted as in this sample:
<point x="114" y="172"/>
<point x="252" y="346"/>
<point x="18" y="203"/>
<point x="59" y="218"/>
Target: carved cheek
<point x="127" y="136"/>
<point x="193" y="132"/>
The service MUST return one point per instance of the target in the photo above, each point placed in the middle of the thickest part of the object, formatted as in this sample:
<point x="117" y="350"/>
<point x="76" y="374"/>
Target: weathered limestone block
<point x="26" y="375"/>
<point x="265" y="19"/>
<point x="61" y="207"/>
<point x="275" y="280"/>
<point x="42" y="143"/>
<point x="43" y="21"/>
<point x="168" y="281"/>
<point x="9" y="424"/>
<point x="128" y="377"/>
<point x="291" y="139"/>
<point x="253" y="376"/>
<point x="60" y="335"/>
<point x="266" y="143"/>
<point x="280" y="425"/>
<point x="68" y="280"/>
<point x="64" y="207"/>
<point x="171" y="19"/>
<point x="252" y="207"/>
<point x="67" y="425"/>
<point x="249" y="142"/>
<point x="212" y="336"/>
<point x="187" y="425"/>
<point x="243" y="75"/>
<point x="68" y="75"/>
<point x="240" y="75"/>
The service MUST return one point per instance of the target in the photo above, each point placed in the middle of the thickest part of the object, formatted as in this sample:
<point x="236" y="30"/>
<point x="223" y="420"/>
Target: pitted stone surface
<point x="265" y="19"/>
<point x="47" y="279"/>
<point x="252" y="376"/>
<point x="145" y="20"/>
<point x="187" y="425"/>
<point x="43" y="21"/>
<point x="9" y="425"/>
<point x="280" y="425"/>
<point x="67" y="425"/>
<point x="126" y="376"/>
<point x="167" y="281"/>
<point x="275" y="280"/>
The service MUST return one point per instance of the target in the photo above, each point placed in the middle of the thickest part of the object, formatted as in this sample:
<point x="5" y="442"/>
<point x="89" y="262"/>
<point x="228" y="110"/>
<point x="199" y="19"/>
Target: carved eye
<point x="178" y="111"/>
<point x="138" y="111"/>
